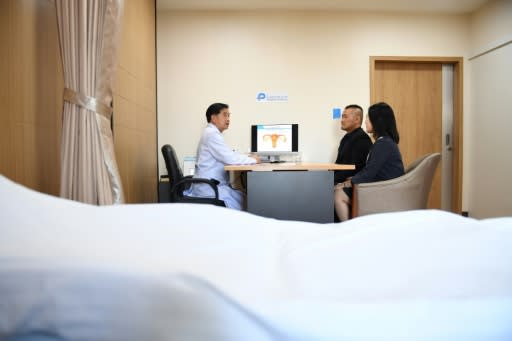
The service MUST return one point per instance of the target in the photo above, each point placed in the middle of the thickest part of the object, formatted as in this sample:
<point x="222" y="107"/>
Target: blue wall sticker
<point x="261" y="96"/>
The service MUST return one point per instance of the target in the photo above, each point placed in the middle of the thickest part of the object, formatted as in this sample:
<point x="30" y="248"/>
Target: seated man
<point x="384" y="161"/>
<point x="213" y="153"/>
<point x="354" y="146"/>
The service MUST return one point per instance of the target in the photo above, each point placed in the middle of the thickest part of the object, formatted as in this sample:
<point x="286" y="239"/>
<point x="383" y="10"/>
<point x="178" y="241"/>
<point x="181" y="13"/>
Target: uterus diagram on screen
<point x="275" y="139"/>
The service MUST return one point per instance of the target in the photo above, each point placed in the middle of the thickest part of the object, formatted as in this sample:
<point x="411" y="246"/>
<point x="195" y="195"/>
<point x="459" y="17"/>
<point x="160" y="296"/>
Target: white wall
<point x="320" y="59"/>
<point x="490" y="186"/>
<point x="490" y="25"/>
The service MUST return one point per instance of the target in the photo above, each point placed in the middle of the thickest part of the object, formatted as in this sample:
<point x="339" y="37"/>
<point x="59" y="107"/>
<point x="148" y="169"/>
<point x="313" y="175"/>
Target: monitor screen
<point x="274" y="138"/>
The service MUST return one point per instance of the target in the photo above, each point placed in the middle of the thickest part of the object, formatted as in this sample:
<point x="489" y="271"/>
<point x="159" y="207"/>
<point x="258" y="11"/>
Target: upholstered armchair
<point x="407" y="192"/>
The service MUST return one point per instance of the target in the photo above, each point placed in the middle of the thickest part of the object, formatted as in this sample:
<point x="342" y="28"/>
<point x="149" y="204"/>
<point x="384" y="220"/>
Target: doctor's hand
<point x="256" y="157"/>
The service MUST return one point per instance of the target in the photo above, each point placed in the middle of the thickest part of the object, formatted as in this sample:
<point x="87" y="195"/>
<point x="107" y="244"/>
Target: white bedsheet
<point x="187" y="272"/>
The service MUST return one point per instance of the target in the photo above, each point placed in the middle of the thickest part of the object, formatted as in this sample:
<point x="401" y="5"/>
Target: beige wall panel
<point x="490" y="190"/>
<point x="490" y="25"/>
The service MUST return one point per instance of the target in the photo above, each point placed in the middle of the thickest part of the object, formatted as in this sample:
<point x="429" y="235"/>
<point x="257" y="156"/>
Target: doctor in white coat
<point x="213" y="153"/>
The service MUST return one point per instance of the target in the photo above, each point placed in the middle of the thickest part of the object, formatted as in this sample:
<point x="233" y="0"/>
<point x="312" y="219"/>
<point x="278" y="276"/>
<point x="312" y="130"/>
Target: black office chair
<point x="178" y="183"/>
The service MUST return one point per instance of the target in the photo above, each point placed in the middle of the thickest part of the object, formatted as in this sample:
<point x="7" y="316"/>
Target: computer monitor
<point x="274" y="139"/>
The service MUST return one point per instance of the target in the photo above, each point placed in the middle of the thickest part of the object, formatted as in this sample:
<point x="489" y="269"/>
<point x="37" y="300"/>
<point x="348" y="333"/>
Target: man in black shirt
<point x="354" y="147"/>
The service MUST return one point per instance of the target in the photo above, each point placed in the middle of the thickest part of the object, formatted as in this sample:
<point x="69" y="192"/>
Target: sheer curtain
<point x="89" y="40"/>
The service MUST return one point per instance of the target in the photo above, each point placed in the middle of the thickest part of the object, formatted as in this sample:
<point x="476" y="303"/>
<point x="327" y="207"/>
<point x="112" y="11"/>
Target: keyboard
<point x="269" y="161"/>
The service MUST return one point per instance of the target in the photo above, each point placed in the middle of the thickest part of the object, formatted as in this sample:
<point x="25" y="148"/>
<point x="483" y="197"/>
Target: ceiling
<point x="415" y="6"/>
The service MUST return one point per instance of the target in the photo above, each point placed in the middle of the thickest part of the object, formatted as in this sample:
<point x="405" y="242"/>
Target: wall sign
<point x="263" y="96"/>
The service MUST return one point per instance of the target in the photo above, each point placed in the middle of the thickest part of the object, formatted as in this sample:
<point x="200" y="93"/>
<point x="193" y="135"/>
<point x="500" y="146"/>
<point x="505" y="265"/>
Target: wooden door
<point x="412" y="85"/>
<point x="414" y="91"/>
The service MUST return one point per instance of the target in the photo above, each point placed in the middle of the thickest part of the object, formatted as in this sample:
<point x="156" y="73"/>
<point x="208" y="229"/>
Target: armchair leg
<point x="354" y="209"/>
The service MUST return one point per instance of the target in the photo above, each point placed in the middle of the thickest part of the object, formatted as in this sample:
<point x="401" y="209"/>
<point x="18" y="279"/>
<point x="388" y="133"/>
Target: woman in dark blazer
<point x="384" y="160"/>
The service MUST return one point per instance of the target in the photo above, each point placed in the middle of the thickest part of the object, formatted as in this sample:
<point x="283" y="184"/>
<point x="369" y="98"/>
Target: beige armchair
<point x="408" y="192"/>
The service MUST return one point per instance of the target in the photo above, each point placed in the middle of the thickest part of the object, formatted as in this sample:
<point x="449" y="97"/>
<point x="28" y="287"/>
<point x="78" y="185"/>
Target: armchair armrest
<point x="407" y="192"/>
<point x="399" y="194"/>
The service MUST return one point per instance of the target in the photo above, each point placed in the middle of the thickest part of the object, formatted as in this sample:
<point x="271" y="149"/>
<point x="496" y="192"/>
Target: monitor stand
<point x="271" y="158"/>
<point x="276" y="157"/>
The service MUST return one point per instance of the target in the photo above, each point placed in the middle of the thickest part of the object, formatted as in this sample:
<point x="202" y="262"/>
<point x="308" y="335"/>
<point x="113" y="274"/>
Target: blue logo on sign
<point x="261" y="96"/>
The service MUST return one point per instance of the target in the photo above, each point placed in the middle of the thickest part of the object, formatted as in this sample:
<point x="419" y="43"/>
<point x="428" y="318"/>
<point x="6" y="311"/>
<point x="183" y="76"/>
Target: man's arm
<point x="356" y="154"/>
<point x="360" y="151"/>
<point x="220" y="151"/>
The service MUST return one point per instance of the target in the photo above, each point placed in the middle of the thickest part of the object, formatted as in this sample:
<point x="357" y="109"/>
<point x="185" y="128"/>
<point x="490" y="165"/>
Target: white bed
<point x="186" y="272"/>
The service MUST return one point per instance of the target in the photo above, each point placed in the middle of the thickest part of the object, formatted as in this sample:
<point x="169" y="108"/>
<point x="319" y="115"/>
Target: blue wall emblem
<point x="261" y="96"/>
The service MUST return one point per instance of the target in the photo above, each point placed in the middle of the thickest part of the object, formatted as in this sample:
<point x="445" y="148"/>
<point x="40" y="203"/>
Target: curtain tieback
<point x="87" y="102"/>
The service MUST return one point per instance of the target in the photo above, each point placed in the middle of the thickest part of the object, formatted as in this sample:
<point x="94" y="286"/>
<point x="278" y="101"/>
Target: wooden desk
<point x="291" y="191"/>
<point x="288" y="166"/>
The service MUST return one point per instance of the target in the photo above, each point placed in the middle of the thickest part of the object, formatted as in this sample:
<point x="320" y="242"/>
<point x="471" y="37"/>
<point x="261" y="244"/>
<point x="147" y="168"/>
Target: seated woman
<point x="384" y="160"/>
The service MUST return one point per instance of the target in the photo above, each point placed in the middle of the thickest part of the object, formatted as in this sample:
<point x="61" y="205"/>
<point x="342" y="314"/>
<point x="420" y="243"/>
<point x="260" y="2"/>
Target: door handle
<point x="448" y="143"/>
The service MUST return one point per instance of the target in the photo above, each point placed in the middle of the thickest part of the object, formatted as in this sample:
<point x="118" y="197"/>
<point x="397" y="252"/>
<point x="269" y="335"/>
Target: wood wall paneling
<point x="135" y="103"/>
<point x="30" y="92"/>
<point x="6" y="167"/>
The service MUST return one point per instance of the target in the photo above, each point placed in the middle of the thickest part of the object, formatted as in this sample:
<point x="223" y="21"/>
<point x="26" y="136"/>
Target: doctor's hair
<point x="215" y="109"/>
<point x="358" y="111"/>
<point x="383" y="121"/>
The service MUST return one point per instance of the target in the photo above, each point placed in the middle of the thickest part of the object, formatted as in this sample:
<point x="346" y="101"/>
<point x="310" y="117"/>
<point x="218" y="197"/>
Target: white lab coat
<point x="212" y="154"/>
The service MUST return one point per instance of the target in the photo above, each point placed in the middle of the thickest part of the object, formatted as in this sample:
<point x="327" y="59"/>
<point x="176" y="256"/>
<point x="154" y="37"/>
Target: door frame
<point x="457" y="139"/>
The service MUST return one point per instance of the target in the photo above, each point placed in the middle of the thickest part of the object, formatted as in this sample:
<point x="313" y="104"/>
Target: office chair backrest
<point x="178" y="182"/>
<point x="171" y="163"/>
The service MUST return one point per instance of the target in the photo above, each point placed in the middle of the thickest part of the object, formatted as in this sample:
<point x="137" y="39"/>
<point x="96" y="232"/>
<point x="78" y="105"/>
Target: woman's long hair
<point x="383" y="121"/>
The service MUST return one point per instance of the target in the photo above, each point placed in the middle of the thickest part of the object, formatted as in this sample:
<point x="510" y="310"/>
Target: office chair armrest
<point x="187" y="186"/>
<point x="214" y="181"/>
<point x="190" y="180"/>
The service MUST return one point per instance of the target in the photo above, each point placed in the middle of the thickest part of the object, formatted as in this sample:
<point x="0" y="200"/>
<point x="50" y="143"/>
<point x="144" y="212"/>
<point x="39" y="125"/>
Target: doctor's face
<point x="221" y="120"/>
